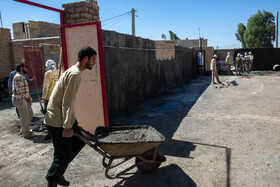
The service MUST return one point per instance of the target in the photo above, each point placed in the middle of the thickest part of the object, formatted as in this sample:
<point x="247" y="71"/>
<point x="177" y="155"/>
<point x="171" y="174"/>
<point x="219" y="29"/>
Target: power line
<point x="114" y="22"/>
<point x="1" y="20"/>
<point x="116" y="16"/>
<point x="223" y="46"/>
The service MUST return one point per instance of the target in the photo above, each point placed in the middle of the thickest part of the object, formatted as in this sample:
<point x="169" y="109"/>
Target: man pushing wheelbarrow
<point x="62" y="125"/>
<point x="60" y="121"/>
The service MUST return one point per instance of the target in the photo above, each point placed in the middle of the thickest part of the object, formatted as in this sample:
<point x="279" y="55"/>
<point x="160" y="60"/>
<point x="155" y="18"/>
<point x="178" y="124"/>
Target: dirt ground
<point x="216" y="136"/>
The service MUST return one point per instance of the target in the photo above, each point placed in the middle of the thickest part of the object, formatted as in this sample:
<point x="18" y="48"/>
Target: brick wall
<point x="17" y="54"/>
<point x="81" y="12"/>
<point x="19" y="46"/>
<point x="35" y="29"/>
<point x="40" y="29"/>
<point x="19" y="30"/>
<point x="5" y="59"/>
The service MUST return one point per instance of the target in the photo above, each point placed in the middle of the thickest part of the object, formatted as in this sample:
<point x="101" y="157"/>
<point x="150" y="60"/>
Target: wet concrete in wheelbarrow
<point x="215" y="137"/>
<point x="128" y="134"/>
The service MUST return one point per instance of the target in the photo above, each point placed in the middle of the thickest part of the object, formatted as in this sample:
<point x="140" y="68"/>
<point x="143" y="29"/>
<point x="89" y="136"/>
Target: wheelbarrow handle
<point x="83" y="139"/>
<point x="87" y="133"/>
<point x="92" y="145"/>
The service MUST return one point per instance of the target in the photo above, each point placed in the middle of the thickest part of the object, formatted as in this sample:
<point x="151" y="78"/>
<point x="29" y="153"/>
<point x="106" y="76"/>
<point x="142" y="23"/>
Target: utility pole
<point x="1" y="20"/>
<point x="133" y="21"/>
<point x="199" y="39"/>
<point x="276" y="33"/>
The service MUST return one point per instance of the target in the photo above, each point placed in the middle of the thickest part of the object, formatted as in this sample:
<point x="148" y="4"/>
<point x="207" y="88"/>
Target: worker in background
<point x="5" y="87"/>
<point x="229" y="60"/>
<point x="242" y="63"/>
<point x="251" y="61"/>
<point x="11" y="76"/>
<point x="60" y="120"/>
<point x="50" y="78"/>
<point x="238" y="64"/>
<point x="213" y="68"/>
<point x="21" y="100"/>
<point x="247" y="61"/>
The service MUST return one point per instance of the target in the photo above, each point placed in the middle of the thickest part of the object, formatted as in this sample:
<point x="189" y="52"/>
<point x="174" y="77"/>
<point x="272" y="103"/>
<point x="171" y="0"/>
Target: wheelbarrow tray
<point x="122" y="141"/>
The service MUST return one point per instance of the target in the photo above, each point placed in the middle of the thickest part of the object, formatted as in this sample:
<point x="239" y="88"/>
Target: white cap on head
<point x="50" y="64"/>
<point x="250" y="53"/>
<point x="214" y="56"/>
<point x="228" y="53"/>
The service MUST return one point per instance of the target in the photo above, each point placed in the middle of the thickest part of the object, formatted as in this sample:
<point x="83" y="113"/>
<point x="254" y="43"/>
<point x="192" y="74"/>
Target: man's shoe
<point x="47" y="137"/>
<point x="52" y="184"/>
<point x="63" y="182"/>
<point x="29" y="135"/>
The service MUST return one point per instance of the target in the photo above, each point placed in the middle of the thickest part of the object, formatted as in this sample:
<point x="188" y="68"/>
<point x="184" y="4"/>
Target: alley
<point x="215" y="137"/>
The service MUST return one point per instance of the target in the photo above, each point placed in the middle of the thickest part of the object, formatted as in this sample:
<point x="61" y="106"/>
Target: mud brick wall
<point x="17" y="54"/>
<point x="19" y="30"/>
<point x="35" y="29"/>
<point x="5" y="55"/>
<point x="40" y="29"/>
<point x="19" y="46"/>
<point x="81" y="12"/>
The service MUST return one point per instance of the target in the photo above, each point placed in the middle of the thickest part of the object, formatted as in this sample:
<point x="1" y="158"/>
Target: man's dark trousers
<point x="65" y="150"/>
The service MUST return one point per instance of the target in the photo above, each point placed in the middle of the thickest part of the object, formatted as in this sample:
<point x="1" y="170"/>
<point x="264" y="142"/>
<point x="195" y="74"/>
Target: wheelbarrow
<point x="125" y="143"/>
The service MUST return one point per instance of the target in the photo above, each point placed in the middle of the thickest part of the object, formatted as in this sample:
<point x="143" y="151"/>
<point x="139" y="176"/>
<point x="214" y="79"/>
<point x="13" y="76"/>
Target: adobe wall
<point x="17" y="54"/>
<point x="5" y="59"/>
<point x="35" y="29"/>
<point x="19" y="46"/>
<point x="81" y="12"/>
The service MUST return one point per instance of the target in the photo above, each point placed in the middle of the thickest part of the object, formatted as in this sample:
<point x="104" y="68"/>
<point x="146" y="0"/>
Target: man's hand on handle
<point x="67" y="132"/>
<point x="28" y="100"/>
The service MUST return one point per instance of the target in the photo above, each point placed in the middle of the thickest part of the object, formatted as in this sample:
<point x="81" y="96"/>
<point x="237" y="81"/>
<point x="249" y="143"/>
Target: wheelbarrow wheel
<point x="146" y="167"/>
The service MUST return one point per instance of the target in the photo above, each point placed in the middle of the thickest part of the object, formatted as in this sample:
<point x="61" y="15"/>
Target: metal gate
<point x="33" y="62"/>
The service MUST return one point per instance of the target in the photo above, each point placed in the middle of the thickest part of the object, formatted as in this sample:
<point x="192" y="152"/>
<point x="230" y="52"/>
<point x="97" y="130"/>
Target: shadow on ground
<point x="165" y="113"/>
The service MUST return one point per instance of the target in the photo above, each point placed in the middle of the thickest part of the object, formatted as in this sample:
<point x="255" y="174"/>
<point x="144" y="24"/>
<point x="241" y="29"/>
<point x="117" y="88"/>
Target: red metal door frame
<point x="64" y="52"/>
<point x="36" y="65"/>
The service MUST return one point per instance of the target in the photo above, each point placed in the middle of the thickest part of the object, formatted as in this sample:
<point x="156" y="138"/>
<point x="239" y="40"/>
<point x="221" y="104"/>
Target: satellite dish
<point x="163" y="36"/>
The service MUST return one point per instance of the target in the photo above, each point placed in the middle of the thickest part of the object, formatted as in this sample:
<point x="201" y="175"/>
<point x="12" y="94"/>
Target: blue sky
<point x="217" y="19"/>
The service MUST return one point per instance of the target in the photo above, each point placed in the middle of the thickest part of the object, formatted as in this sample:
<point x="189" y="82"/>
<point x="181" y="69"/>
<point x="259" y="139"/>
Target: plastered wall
<point x="135" y="73"/>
